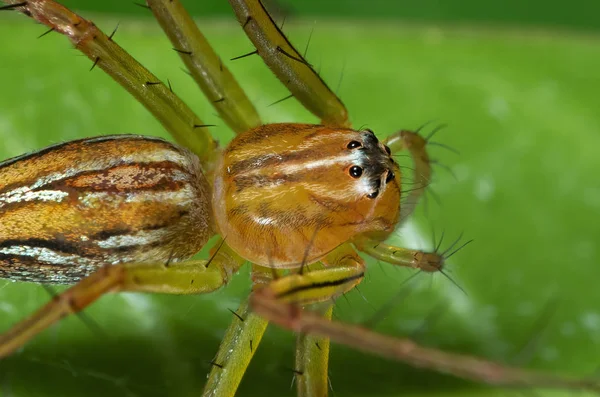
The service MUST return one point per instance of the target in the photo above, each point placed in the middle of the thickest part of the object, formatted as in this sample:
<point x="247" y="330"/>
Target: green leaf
<point x="522" y="108"/>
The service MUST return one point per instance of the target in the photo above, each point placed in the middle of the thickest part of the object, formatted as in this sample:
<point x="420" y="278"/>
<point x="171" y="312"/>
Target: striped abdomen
<point x="70" y="208"/>
<point x="289" y="193"/>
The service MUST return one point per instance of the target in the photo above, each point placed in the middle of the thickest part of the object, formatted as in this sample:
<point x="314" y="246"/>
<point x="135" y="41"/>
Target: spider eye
<point x="370" y="131"/>
<point x="387" y="150"/>
<point x="354" y="144"/>
<point x="355" y="171"/>
<point x="390" y="177"/>
<point x="373" y="195"/>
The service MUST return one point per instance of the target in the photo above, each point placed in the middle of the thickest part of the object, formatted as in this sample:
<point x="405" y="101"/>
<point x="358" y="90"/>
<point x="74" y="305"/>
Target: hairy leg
<point x="177" y="118"/>
<point x="235" y="352"/>
<point x="290" y="316"/>
<point x="312" y="359"/>
<point x="288" y="64"/>
<point x="205" y="66"/>
<point x="190" y="277"/>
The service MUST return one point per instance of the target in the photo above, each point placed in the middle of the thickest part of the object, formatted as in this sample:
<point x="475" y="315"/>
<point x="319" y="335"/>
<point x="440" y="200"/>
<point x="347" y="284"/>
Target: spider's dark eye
<point x="355" y="171"/>
<point x="390" y="177"/>
<point x="354" y="144"/>
<point x="370" y="131"/>
<point x="373" y="195"/>
<point x="387" y="150"/>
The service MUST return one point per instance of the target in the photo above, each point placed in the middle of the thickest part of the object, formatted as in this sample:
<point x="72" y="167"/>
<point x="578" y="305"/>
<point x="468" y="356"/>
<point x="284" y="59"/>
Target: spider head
<point x="288" y="193"/>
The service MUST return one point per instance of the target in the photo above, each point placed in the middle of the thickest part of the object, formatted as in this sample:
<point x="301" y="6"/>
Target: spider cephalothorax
<point x="282" y="187"/>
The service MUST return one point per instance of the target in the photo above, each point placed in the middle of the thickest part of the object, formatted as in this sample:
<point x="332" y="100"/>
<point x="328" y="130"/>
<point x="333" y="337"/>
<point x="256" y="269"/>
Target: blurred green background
<point x="578" y="14"/>
<point x="517" y="84"/>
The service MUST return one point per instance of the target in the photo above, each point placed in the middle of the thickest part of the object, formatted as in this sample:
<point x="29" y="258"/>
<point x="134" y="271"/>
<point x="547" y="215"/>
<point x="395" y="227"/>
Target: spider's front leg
<point x="340" y="271"/>
<point x="291" y="316"/>
<point x="288" y="64"/>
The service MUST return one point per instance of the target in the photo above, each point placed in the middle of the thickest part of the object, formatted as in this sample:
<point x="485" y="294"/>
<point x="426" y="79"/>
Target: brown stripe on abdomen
<point x="35" y="169"/>
<point x="164" y="175"/>
<point x="115" y="201"/>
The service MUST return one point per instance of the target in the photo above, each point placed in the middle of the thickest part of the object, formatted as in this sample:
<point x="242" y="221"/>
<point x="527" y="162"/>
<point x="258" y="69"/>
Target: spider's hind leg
<point x="175" y="116"/>
<point x="292" y="317"/>
<point x="189" y="277"/>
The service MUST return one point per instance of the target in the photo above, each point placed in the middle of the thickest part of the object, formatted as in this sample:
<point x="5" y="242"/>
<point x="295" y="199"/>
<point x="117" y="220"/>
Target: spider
<point x="271" y="256"/>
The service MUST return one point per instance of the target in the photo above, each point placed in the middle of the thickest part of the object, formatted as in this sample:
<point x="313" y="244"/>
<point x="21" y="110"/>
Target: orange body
<point x="287" y="194"/>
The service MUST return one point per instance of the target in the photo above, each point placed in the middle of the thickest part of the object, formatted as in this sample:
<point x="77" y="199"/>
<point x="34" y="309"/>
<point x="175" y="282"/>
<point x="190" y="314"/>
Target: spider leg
<point x="312" y="358"/>
<point x="343" y="270"/>
<point x="417" y="259"/>
<point x="288" y="64"/>
<point x="205" y="66"/>
<point x="189" y="277"/>
<point x="290" y="316"/>
<point x="235" y="352"/>
<point x="177" y="118"/>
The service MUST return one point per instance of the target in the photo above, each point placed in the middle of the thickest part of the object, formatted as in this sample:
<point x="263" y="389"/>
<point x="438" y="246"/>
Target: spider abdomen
<point x="72" y="207"/>
<point x="285" y="194"/>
